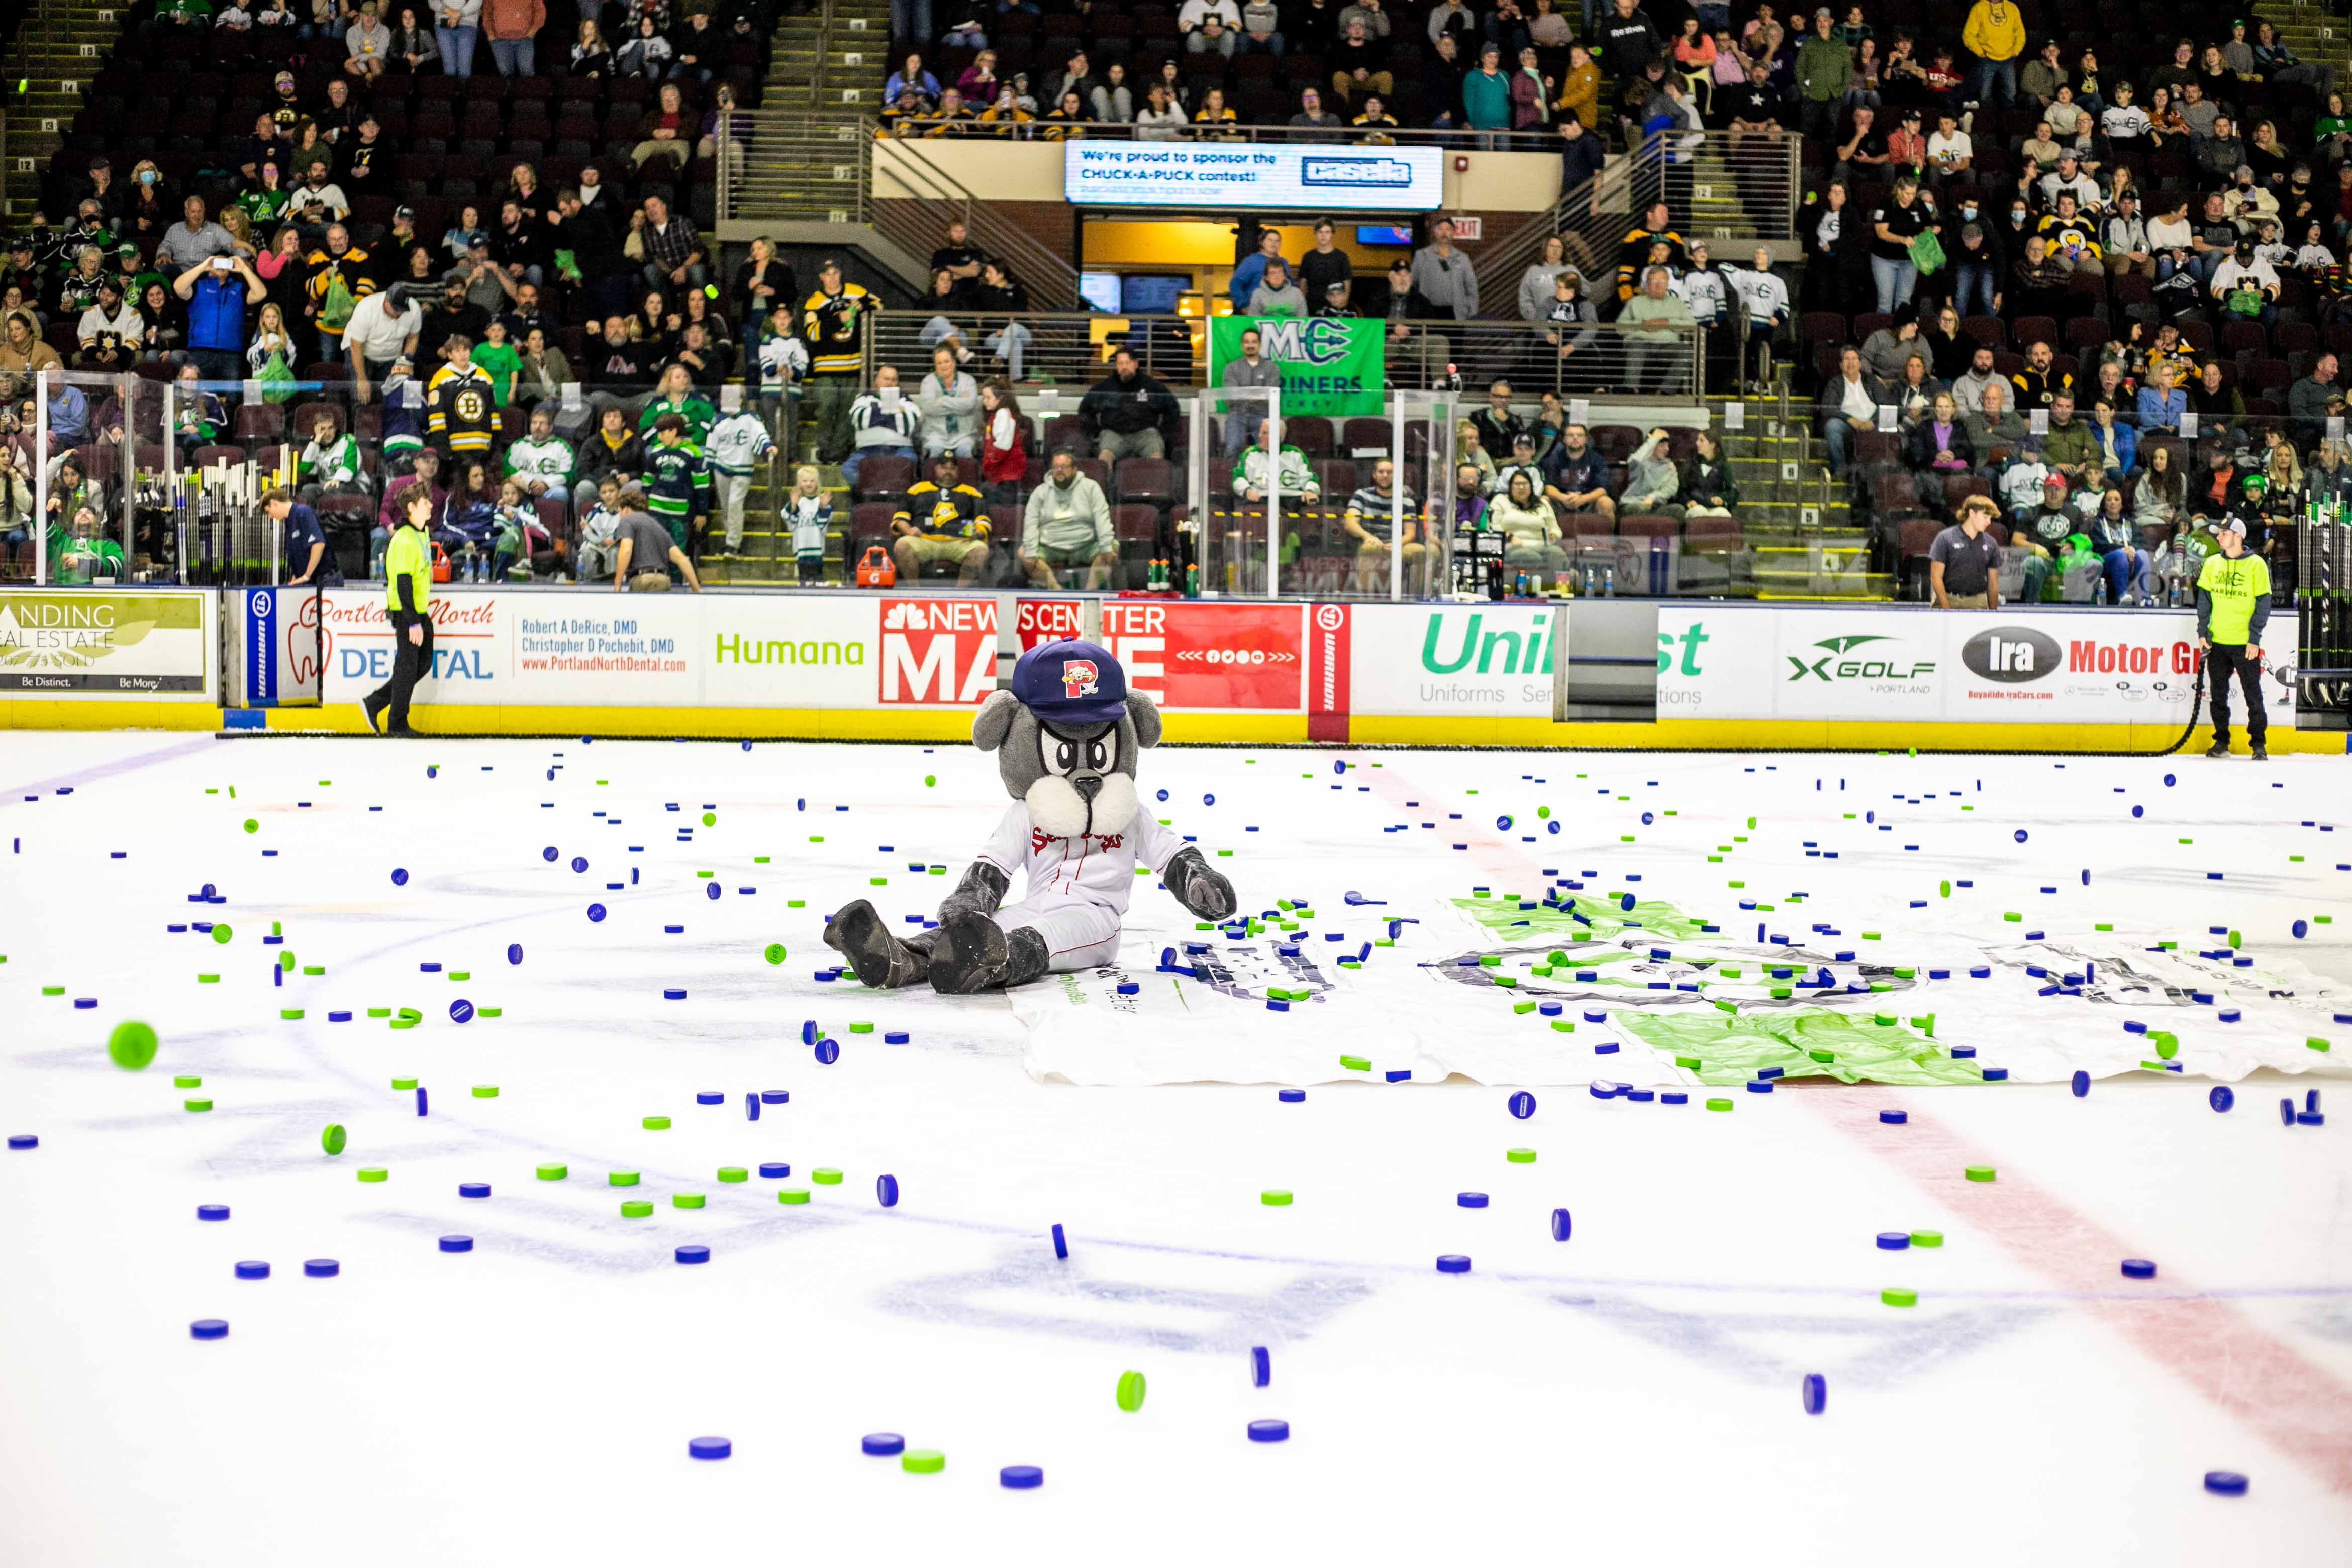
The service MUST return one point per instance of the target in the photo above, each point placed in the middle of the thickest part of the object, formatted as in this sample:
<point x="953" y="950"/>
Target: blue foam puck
<point x="321" y="1268"/>
<point x="673" y="993"/>
<point x="775" y="1095"/>
<point x="23" y="1141"/>
<point x="218" y="1328"/>
<point x="1290" y="1096"/>
<point x="1261" y="1366"/>
<point x="548" y="854"/>
<point x="340" y="1016"/>
<point x="211" y="1211"/>
<point x="708" y="1447"/>
<point x="2222" y="1098"/>
<point x="751" y="1106"/>
<point x="399" y="878"/>
<point x="1894" y="1117"/>
<point x="1561" y="1225"/>
<point x="1021" y="1477"/>
<point x="1129" y="988"/>
<point x="1894" y="1241"/>
<point x="774" y="1170"/>
<point x="1269" y="1431"/>
<point x="710" y="889"/>
<point x="2139" y="1268"/>
<point x="895" y="1037"/>
<point x="2310" y="1118"/>
<point x="1470" y="1200"/>
<point x="828" y="1051"/>
<point x="693" y="1253"/>
<point x="1397" y="1075"/>
<point x="2228" y="1483"/>
<point x="1674" y="1097"/>
<point x="457" y="1244"/>
<point x="1522" y="1104"/>
<point x="595" y="911"/>
<point x="1995" y="1075"/>
<point x="1816" y="1394"/>
<point x="2286" y="1112"/>
<point x="429" y="969"/>
<point x="2081" y="1083"/>
<point x="886" y="1191"/>
<point x="882" y="1445"/>
<point x="1452" y="1263"/>
<point x="253" y="1271"/>
<point x="1759" y="1085"/>
<point x="580" y="862"/>
<point x="1061" y="1242"/>
<point x="514" y="952"/>
<point x="461" y="1011"/>
<point x="709" y="1097"/>
<point x="473" y="1189"/>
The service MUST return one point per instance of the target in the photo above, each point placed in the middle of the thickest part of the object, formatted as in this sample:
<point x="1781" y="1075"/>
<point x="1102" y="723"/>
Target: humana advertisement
<point x="677" y="650"/>
<point x="97" y="642"/>
<point x="1717" y="661"/>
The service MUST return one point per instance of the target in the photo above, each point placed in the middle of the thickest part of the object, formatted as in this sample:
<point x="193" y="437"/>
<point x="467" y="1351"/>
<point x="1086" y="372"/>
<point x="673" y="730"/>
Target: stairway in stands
<point x="54" y="60"/>
<point x="826" y="73"/>
<point x="1805" y="541"/>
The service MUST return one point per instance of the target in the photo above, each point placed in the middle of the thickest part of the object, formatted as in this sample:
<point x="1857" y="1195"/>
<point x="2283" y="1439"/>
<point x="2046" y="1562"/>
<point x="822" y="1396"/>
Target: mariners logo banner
<point x="1332" y="365"/>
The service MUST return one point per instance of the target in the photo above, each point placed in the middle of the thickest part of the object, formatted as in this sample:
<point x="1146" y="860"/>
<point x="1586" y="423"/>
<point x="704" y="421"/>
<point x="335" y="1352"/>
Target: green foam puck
<point x="759" y="859"/>
<point x="657" y="1124"/>
<point x="1520" y="1007"/>
<point x="553" y="1171"/>
<point x="685" y="1200"/>
<point x="795" y="903"/>
<point x="290" y="1012"/>
<point x="1564" y="1025"/>
<point x="1520" y="1156"/>
<point x="2167" y="1044"/>
<point x="1979" y="1173"/>
<point x="791" y="1195"/>
<point x="2314" y="1044"/>
<point x="1899" y="1296"/>
<point x="461" y="974"/>
<point x="198" y="1104"/>
<point x="1274" y="1198"/>
<point x="207" y="979"/>
<point x="287" y="962"/>
<point x="776" y="954"/>
<point x="1356" y="1063"/>
<point x="187" y="1081"/>
<point x="930" y="781"/>
<point x="923" y="1461"/>
<point x="251" y="826"/>
<point x="314" y="969"/>
<point x="620" y="1178"/>
<point x="131" y="1045"/>
<point x="825" y="1176"/>
<point x="374" y="1173"/>
<point x="488" y="1012"/>
<point x="379" y="1012"/>
<point x="1926" y="1238"/>
<point x="221" y="933"/>
<point x="403" y="1083"/>
<point x="1489" y="960"/>
<point x="709" y="820"/>
<point x="636" y="1208"/>
<point x="861" y="1028"/>
<point x="333" y="1138"/>
<point x="485" y="1091"/>
<point x="1718" y="1105"/>
<point x="1130" y="1391"/>
<point x="733" y="1173"/>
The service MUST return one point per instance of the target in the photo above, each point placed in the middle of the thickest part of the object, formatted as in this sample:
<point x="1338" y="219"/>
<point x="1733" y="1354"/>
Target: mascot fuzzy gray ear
<point x="1066" y="737"/>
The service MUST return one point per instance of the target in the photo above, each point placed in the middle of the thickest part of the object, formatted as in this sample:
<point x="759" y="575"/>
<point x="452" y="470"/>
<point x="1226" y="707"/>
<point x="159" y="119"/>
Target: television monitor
<point x="1384" y="234"/>
<point x="1153" y="293"/>
<point x="1099" y="291"/>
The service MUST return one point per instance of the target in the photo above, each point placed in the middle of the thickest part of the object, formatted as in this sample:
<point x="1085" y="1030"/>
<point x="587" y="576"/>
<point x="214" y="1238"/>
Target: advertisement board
<point x="1494" y="660"/>
<point x="274" y="658"/>
<point x="675" y="650"/>
<point x="2032" y="666"/>
<point x="109" y="643"/>
<point x="1251" y="175"/>
<point x="1191" y="654"/>
<point x="1329" y="366"/>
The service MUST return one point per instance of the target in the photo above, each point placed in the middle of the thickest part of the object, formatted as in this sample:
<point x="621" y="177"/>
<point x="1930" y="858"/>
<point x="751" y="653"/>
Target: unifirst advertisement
<point x="2032" y="666"/>
<point x="675" y="650"/>
<point x="1247" y="175"/>
<point x="1491" y="659"/>
<point x="109" y="643"/>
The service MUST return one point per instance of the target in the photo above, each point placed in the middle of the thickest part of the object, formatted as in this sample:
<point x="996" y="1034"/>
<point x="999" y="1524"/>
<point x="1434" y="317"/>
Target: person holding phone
<point x="217" y="290"/>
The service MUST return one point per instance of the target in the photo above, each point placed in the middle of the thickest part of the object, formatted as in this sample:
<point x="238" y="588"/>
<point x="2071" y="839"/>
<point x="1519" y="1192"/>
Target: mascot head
<point x="1066" y="737"/>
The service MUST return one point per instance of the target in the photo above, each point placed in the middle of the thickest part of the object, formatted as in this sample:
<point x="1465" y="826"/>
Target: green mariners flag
<point x="1330" y="364"/>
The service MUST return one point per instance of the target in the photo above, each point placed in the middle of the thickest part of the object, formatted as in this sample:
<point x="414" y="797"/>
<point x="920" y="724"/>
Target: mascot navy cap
<point x="1071" y="682"/>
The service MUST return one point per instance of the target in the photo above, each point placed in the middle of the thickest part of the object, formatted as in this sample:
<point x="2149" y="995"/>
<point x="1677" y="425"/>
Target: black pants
<point x="2222" y="660"/>
<point x="410" y="661"/>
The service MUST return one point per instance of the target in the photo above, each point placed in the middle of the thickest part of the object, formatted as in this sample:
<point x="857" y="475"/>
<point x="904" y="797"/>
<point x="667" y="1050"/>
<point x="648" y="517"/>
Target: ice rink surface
<point x="1633" y="1390"/>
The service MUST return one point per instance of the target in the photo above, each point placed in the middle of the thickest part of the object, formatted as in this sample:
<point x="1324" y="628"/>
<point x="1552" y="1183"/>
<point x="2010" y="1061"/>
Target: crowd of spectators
<point x="397" y="253"/>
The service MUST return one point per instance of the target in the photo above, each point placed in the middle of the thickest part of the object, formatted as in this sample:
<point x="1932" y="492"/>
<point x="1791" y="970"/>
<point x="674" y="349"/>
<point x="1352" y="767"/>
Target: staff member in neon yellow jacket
<point x="2233" y="603"/>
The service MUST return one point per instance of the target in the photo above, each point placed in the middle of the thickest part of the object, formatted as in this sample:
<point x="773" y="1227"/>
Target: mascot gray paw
<point x="1208" y="894"/>
<point x="972" y="952"/>
<point x="858" y="933"/>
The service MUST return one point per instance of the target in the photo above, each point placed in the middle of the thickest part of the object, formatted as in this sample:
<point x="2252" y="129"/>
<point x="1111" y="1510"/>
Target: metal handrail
<point x="942" y="198"/>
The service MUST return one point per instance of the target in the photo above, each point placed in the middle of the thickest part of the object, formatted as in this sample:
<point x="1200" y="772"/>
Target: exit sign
<point x="1469" y="227"/>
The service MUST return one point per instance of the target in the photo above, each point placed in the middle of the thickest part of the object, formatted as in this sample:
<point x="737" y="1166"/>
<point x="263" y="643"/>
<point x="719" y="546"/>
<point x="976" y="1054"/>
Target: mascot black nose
<point x="1089" y="786"/>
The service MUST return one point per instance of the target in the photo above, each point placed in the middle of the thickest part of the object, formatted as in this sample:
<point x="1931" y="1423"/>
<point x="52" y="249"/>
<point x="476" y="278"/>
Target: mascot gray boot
<point x="974" y="953"/>
<point x="859" y="934"/>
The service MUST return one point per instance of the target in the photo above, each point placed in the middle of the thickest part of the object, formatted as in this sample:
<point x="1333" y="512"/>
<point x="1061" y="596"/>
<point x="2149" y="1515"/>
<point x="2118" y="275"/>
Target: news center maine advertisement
<point x="1247" y="175"/>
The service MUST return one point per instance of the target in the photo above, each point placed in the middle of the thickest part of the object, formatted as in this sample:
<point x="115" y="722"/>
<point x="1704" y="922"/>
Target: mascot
<point x="1066" y="738"/>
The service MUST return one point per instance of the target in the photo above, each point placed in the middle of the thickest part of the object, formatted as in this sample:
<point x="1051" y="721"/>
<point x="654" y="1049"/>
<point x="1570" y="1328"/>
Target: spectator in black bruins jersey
<point x="942" y="519"/>
<point x="461" y="405"/>
<point x="833" y="324"/>
<point x="1634" y="250"/>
